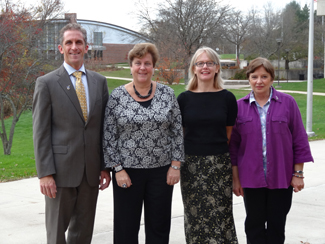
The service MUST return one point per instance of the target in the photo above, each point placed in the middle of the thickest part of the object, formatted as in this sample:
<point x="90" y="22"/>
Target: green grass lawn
<point x="318" y="85"/>
<point x="21" y="163"/>
<point x="123" y="73"/>
<point x="112" y="84"/>
<point x="231" y="56"/>
<point x="122" y="64"/>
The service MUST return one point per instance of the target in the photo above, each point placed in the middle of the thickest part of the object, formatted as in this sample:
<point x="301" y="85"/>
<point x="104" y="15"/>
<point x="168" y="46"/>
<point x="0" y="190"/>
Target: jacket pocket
<point x="60" y="149"/>
<point x="245" y="125"/>
<point x="279" y="124"/>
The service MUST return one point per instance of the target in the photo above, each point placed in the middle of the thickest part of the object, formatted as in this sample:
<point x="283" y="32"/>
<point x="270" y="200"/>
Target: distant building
<point x="107" y="43"/>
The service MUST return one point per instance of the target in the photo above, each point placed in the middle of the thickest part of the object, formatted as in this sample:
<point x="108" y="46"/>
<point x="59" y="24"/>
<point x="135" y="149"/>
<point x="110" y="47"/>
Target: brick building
<point x="108" y="43"/>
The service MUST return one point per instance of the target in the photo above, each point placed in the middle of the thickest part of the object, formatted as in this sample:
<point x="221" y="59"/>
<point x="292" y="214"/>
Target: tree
<point x="185" y="25"/>
<point x="171" y="62"/>
<point x="289" y="24"/>
<point x="295" y="30"/>
<point x="265" y="28"/>
<point x="236" y="30"/>
<point x="20" y="59"/>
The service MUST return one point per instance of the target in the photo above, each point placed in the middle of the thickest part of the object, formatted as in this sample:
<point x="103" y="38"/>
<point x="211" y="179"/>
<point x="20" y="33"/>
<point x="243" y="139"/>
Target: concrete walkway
<point x="22" y="211"/>
<point x="118" y="78"/>
<point x="301" y="92"/>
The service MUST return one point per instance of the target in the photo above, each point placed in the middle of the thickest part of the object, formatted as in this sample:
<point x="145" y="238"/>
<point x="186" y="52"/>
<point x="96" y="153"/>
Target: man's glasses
<point x="201" y="64"/>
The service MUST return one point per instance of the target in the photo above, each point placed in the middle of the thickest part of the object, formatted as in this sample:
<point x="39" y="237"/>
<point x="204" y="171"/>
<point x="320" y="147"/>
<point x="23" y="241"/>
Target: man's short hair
<point x="73" y="26"/>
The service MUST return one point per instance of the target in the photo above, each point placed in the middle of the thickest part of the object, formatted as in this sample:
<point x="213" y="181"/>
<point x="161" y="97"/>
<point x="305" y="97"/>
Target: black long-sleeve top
<point x="205" y="116"/>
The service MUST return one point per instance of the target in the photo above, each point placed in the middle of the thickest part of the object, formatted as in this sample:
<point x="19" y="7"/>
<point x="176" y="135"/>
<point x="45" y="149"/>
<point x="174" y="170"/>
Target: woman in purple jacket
<point x="268" y="149"/>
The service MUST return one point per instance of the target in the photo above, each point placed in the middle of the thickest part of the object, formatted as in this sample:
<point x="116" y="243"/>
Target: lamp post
<point x="287" y="63"/>
<point x="309" y="115"/>
<point x="278" y="40"/>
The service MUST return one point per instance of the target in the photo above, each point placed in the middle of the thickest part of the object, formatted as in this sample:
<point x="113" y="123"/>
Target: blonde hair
<point x="213" y="55"/>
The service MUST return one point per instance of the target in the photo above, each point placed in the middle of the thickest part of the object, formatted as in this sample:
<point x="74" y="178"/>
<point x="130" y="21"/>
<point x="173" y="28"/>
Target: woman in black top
<point x="208" y="113"/>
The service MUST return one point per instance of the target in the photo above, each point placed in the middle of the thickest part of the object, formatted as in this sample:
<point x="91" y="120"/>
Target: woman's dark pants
<point x="266" y="213"/>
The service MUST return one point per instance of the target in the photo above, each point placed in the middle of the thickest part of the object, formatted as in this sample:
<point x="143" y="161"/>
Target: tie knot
<point x="77" y="74"/>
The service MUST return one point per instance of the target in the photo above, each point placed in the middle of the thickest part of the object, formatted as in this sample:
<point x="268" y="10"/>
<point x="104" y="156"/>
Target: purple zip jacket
<point x="286" y="142"/>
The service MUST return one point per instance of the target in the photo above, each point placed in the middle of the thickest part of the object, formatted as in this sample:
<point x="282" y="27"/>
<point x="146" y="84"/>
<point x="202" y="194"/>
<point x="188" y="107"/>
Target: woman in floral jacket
<point x="143" y="144"/>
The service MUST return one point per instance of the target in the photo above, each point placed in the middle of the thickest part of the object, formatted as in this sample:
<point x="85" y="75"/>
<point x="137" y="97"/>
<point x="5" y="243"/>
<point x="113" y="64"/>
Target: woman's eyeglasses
<point x="201" y="64"/>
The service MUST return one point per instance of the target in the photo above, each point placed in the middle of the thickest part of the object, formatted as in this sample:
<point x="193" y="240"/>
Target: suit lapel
<point x="92" y="88"/>
<point x="68" y="88"/>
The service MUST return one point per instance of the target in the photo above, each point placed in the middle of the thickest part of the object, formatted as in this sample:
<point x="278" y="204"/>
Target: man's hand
<point x="105" y="179"/>
<point x="48" y="186"/>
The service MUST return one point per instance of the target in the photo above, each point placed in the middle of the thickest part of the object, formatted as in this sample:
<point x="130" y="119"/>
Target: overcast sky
<point x="119" y="12"/>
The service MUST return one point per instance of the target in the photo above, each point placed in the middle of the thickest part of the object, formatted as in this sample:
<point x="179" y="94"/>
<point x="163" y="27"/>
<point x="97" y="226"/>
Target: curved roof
<point x="112" y="34"/>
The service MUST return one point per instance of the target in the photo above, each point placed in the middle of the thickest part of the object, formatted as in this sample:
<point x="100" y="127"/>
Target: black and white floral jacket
<point x="140" y="137"/>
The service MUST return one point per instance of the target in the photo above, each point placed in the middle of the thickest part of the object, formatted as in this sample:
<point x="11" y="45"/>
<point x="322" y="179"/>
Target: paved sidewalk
<point x="118" y="78"/>
<point x="22" y="211"/>
<point x="298" y="92"/>
<point x="301" y="92"/>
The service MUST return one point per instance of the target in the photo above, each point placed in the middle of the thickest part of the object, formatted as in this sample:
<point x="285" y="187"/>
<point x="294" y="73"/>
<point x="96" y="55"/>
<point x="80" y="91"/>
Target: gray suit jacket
<point x="65" y="146"/>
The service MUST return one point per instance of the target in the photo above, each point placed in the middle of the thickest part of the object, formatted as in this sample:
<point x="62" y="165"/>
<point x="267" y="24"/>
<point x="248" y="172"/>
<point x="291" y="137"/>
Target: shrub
<point x="169" y="70"/>
<point x="240" y="74"/>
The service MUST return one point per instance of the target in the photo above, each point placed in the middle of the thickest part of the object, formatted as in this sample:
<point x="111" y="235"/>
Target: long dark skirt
<point x="206" y="184"/>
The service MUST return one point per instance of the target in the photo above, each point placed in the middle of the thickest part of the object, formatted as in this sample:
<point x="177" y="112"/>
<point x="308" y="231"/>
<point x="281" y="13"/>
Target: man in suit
<point x="67" y="131"/>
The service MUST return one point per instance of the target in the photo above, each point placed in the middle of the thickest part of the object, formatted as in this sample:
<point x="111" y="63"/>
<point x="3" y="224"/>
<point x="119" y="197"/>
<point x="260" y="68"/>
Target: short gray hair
<point x="259" y="62"/>
<point x="73" y="26"/>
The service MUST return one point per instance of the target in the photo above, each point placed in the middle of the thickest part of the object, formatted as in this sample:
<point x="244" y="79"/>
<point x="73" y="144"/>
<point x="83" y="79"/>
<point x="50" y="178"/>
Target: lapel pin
<point x="276" y="97"/>
<point x="68" y="87"/>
